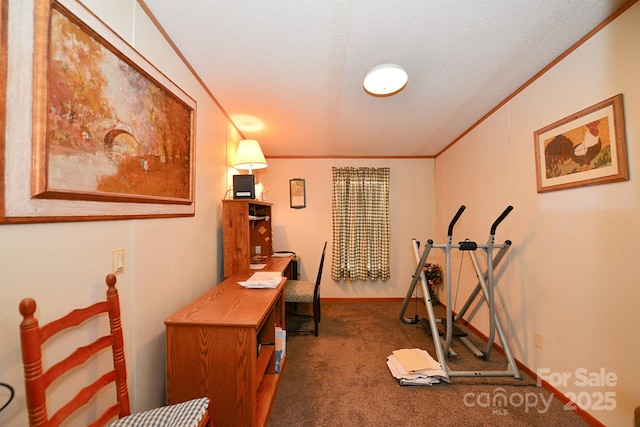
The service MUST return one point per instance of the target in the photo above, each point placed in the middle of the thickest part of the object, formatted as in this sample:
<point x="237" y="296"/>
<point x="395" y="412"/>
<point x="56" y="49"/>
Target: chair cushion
<point x="185" y="414"/>
<point x="299" y="291"/>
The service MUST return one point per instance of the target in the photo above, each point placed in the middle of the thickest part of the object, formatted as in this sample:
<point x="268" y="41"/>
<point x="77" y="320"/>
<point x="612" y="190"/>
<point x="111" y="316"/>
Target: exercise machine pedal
<point x="456" y="332"/>
<point x="425" y="324"/>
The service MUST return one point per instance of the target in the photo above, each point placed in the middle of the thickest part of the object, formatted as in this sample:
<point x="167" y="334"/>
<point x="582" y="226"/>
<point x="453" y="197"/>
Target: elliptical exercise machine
<point x="486" y="284"/>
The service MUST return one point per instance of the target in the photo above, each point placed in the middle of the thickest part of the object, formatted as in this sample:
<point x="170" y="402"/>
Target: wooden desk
<point x="221" y="345"/>
<point x="281" y="264"/>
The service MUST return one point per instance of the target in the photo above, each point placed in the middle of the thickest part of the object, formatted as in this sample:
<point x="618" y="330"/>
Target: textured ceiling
<point x="296" y="66"/>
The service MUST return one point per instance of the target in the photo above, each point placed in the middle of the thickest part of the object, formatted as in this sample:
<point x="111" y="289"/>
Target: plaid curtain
<point x="360" y="224"/>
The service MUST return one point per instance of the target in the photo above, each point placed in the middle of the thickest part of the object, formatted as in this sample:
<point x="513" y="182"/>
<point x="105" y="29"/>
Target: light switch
<point x="117" y="261"/>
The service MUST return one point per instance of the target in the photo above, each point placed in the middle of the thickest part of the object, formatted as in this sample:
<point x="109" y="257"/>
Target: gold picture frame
<point x="112" y="137"/>
<point x="586" y="148"/>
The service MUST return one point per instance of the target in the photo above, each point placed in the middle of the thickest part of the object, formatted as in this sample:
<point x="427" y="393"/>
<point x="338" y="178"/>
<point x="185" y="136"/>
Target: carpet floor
<point x="340" y="378"/>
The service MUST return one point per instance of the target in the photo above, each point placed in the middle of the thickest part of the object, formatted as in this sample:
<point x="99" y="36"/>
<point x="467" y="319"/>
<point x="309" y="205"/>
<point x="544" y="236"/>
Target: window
<point x="360" y="224"/>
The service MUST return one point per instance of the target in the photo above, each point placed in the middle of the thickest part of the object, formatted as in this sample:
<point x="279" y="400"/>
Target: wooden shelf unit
<point x="246" y="224"/>
<point x="222" y="345"/>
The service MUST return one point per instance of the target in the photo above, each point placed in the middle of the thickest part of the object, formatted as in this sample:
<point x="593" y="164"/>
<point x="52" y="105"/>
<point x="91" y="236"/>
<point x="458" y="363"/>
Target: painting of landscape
<point x="113" y="133"/>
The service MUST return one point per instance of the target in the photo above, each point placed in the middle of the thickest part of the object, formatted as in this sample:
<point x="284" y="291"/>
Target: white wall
<point x="304" y="230"/>
<point x="168" y="262"/>
<point x="571" y="274"/>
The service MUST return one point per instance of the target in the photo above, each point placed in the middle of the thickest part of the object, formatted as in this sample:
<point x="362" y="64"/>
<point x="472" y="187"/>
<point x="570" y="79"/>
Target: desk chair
<point x="302" y="292"/>
<point x="33" y="337"/>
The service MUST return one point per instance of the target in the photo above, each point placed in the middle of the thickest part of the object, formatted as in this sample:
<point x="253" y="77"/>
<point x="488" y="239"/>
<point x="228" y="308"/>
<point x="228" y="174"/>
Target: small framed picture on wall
<point x="297" y="193"/>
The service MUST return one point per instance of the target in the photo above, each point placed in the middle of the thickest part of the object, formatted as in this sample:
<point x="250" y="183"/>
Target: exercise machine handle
<point x="454" y="220"/>
<point x="502" y="216"/>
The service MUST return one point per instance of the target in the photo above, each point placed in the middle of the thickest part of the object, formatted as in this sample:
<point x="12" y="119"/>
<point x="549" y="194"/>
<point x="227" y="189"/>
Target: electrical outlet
<point x="117" y="261"/>
<point x="258" y="250"/>
<point x="538" y="340"/>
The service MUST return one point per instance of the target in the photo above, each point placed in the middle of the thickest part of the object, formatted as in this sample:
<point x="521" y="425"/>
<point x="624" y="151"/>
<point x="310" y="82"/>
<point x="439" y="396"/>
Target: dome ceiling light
<point x="385" y="80"/>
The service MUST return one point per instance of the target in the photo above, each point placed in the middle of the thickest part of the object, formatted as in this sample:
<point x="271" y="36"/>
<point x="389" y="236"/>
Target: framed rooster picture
<point x="586" y="148"/>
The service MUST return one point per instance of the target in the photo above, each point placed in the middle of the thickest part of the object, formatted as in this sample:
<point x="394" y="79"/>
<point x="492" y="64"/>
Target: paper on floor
<point x="425" y="369"/>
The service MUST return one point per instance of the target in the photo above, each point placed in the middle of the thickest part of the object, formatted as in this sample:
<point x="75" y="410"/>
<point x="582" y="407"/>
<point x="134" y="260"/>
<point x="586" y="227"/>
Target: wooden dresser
<point x="222" y="345"/>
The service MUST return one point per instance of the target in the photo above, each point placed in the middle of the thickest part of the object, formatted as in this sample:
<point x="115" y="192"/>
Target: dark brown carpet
<point x="340" y="378"/>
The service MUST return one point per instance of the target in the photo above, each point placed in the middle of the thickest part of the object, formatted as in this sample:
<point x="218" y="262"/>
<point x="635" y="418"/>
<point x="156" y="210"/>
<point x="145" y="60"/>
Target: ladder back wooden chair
<point x="303" y="292"/>
<point x="38" y="378"/>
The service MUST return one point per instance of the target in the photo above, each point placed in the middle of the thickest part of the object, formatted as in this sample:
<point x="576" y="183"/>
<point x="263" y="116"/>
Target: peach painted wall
<point x="571" y="273"/>
<point x="168" y="262"/>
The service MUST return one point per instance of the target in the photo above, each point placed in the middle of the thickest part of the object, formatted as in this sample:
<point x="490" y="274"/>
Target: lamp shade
<point x="249" y="155"/>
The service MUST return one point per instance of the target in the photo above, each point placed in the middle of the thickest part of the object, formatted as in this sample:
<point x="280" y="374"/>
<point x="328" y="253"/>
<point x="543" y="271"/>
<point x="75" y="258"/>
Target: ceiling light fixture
<point x="385" y="80"/>
<point x="247" y="123"/>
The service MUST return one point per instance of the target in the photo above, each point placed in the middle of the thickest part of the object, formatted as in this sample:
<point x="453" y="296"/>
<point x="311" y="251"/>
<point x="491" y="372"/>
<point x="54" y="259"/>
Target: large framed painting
<point x="112" y="136"/>
<point x="586" y="148"/>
